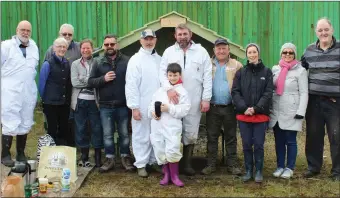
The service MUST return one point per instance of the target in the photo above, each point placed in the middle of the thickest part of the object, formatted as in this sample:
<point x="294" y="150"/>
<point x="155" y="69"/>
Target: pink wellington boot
<point x="166" y="173"/>
<point x="174" y="174"/>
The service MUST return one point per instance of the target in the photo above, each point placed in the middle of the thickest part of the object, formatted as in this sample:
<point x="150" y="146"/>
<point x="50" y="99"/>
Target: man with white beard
<point x="141" y="83"/>
<point x="197" y="80"/>
<point x="19" y="61"/>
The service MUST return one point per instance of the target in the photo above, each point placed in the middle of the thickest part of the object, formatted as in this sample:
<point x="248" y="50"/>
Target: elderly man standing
<point x="197" y="80"/>
<point x="222" y="110"/>
<point x="108" y="77"/>
<point x="142" y="81"/>
<point x="19" y="61"/>
<point x="73" y="50"/>
<point x="323" y="62"/>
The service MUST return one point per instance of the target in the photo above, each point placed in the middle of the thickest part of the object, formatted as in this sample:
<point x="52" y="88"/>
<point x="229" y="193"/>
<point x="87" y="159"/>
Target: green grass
<point x="119" y="183"/>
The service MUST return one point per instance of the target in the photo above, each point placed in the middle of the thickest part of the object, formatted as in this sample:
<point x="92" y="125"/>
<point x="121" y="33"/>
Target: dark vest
<point x="58" y="85"/>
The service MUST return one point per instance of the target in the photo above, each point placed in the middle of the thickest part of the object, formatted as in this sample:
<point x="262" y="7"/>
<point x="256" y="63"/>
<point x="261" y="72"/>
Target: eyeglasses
<point x="109" y="44"/>
<point x="289" y="53"/>
<point x="67" y="34"/>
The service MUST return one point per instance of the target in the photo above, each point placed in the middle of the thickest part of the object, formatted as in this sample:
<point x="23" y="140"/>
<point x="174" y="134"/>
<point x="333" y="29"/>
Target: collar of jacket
<point x="214" y="59"/>
<point x="255" y="67"/>
<point x="82" y="61"/>
<point x="108" y="60"/>
<point x="192" y="46"/>
<point x="333" y="43"/>
<point x="142" y="50"/>
<point x="58" y="59"/>
<point x="71" y="45"/>
<point x="18" y="41"/>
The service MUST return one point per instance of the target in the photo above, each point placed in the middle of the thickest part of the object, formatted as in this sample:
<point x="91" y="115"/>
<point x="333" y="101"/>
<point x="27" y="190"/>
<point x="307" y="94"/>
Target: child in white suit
<point x="166" y="129"/>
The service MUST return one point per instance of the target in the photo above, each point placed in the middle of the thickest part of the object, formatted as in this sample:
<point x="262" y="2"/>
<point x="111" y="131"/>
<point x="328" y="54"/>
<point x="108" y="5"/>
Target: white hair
<point x="66" y="25"/>
<point x="60" y="41"/>
<point x="324" y="19"/>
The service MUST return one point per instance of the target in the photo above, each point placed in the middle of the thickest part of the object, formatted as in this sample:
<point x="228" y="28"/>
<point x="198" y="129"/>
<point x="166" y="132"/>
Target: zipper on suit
<point x="184" y="60"/>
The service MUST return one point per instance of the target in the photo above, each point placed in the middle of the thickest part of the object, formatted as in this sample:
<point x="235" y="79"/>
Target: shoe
<point x="208" y="170"/>
<point x="173" y="167"/>
<point x="287" y="173"/>
<point x="234" y="171"/>
<point x="187" y="154"/>
<point x="127" y="163"/>
<point x="6" y="158"/>
<point x="21" y="144"/>
<point x="258" y="176"/>
<point x="142" y="172"/>
<point x="108" y="165"/>
<point x="278" y="172"/>
<point x="98" y="157"/>
<point x="310" y="174"/>
<point x="84" y="155"/>
<point x="248" y="176"/>
<point x="166" y="175"/>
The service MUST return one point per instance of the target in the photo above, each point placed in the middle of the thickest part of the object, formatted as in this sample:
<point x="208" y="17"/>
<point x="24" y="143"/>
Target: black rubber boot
<point x="259" y="155"/>
<point x="249" y="164"/>
<point x="21" y="144"/>
<point x="187" y="154"/>
<point x="6" y="158"/>
<point x="84" y="154"/>
<point x="98" y="157"/>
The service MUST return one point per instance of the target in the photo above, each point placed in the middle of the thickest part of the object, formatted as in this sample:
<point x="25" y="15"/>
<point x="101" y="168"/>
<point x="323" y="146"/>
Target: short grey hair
<point x="60" y="41"/>
<point x="66" y="25"/>
<point x="182" y="26"/>
<point x="324" y="19"/>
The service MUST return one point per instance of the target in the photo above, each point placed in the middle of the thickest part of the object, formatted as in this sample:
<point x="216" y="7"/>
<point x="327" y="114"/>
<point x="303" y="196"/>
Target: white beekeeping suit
<point x="142" y="81"/>
<point x="18" y="87"/>
<point x="197" y="80"/>
<point x="166" y="133"/>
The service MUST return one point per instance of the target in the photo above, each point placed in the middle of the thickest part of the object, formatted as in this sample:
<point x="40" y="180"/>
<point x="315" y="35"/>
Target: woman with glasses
<point x="55" y="91"/>
<point x="288" y="110"/>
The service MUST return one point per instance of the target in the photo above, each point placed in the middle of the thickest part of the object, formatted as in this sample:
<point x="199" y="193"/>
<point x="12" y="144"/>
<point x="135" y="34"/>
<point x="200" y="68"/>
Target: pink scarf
<point x="280" y="82"/>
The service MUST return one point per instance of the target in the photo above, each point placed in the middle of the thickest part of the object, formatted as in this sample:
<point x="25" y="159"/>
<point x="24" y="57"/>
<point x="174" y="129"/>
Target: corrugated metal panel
<point x="270" y="24"/>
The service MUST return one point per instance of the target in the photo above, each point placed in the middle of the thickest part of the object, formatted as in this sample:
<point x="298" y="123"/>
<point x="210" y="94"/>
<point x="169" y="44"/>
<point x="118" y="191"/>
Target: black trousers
<point x="322" y="111"/>
<point x="57" y="122"/>
<point x="216" y="117"/>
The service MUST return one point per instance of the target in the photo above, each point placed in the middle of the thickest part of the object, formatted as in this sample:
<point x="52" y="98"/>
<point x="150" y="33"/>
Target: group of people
<point x="167" y="95"/>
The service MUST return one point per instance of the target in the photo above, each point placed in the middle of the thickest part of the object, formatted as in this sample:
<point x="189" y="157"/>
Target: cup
<point x="43" y="185"/>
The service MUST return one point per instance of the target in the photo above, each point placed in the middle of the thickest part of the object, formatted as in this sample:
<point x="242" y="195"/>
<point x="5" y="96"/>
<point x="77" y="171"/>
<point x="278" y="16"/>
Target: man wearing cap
<point x="142" y="82"/>
<point x="197" y="80"/>
<point x="108" y="78"/>
<point x="221" y="111"/>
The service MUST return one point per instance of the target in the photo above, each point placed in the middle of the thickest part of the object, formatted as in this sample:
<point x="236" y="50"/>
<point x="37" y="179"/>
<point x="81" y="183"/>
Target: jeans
<point x="322" y="111"/>
<point x="111" y="117"/>
<point x="253" y="134"/>
<point x="216" y="117"/>
<point x="87" y="110"/>
<point x="57" y="122"/>
<point x="285" y="142"/>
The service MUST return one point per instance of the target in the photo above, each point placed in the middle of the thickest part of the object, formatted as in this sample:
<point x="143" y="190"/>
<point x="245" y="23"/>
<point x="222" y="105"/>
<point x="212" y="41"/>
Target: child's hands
<point x="154" y="116"/>
<point x="164" y="108"/>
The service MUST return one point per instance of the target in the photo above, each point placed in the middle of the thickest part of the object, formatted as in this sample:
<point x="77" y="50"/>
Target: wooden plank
<point x="82" y="173"/>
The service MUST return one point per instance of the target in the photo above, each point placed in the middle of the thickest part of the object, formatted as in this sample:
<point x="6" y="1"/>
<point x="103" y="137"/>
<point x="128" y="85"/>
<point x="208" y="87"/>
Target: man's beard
<point x="111" y="52"/>
<point x="183" y="43"/>
<point x="23" y="39"/>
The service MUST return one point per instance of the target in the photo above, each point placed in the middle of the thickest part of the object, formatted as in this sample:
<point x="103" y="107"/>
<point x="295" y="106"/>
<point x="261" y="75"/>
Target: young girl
<point x="166" y="129"/>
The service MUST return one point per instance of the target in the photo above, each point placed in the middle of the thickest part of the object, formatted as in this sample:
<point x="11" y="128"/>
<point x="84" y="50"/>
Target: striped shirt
<point x="324" y="69"/>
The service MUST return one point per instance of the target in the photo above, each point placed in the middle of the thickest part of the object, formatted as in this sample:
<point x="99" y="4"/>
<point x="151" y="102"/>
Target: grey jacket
<point x="293" y="100"/>
<point x="79" y="78"/>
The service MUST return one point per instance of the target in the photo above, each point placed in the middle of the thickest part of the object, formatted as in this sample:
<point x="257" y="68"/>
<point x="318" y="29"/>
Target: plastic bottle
<point x="65" y="179"/>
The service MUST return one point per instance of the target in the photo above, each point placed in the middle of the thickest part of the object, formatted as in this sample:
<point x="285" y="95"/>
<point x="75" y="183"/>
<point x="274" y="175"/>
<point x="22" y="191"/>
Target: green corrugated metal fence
<point x="270" y="24"/>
